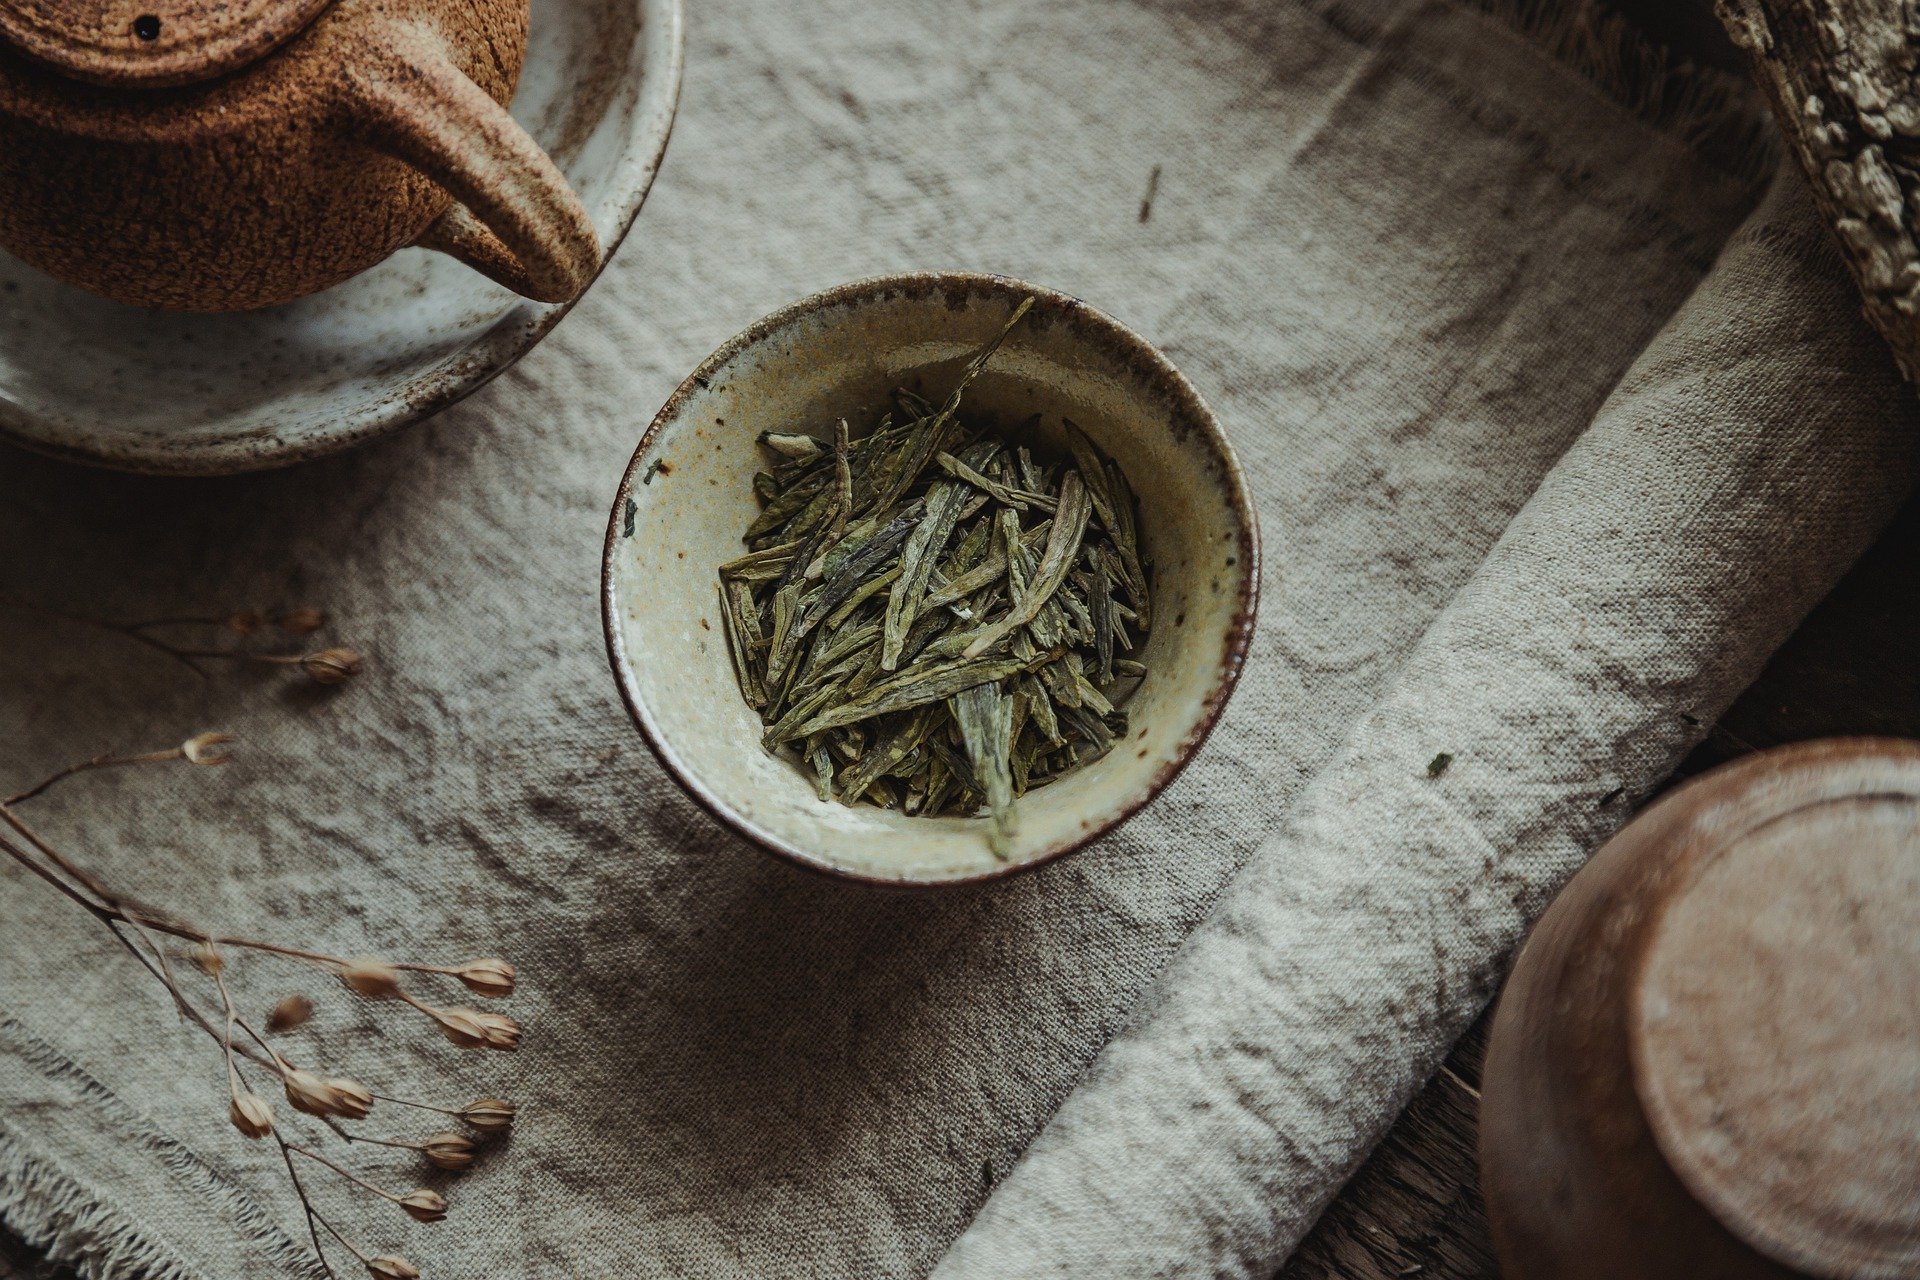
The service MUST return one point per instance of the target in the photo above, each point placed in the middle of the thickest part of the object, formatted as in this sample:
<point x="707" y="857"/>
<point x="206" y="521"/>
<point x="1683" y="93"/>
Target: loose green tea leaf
<point x="796" y="446"/>
<point x="985" y="716"/>
<point x="930" y="618"/>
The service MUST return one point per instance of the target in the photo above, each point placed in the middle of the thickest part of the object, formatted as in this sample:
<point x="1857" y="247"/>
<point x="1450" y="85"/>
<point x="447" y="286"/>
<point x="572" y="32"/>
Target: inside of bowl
<point x="156" y="390"/>
<point x="843" y="359"/>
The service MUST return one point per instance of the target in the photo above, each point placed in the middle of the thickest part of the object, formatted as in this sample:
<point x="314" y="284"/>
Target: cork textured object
<point x="152" y="43"/>
<point x="263" y="151"/>
<point x="1840" y="75"/>
<point x="1695" y="1065"/>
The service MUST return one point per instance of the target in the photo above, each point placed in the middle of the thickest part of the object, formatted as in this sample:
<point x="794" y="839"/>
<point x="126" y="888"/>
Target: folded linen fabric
<point x="1407" y="248"/>
<point x="1747" y="458"/>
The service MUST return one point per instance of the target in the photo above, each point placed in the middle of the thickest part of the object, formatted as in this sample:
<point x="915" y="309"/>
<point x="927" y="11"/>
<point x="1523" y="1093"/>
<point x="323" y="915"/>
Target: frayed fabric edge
<point x="56" y="1213"/>
<point x="53" y="1213"/>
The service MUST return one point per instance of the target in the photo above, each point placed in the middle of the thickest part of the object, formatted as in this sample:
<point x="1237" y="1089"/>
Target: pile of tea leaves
<point x="931" y="619"/>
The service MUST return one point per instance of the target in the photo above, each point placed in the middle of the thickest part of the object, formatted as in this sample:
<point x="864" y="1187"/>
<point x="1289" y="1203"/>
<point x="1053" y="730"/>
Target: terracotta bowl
<point x="688" y="495"/>
<point x="95" y="381"/>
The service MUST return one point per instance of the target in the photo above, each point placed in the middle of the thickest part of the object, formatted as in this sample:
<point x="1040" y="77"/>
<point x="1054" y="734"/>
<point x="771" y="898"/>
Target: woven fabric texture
<point x="1548" y="452"/>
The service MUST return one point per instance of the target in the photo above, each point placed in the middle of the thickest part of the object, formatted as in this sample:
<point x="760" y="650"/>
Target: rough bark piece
<point x="1841" y="78"/>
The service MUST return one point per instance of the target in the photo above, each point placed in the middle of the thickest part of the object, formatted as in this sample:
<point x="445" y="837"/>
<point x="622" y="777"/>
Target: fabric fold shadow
<point x="1751" y="453"/>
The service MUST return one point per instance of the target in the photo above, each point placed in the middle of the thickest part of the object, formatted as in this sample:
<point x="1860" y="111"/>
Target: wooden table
<point x="1414" y="1208"/>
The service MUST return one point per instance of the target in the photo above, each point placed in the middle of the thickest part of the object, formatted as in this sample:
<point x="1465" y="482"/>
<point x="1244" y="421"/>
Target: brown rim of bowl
<point x="1239" y="633"/>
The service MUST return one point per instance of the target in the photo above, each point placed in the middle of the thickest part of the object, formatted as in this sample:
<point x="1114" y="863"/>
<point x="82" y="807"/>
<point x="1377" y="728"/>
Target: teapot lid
<point x="151" y="44"/>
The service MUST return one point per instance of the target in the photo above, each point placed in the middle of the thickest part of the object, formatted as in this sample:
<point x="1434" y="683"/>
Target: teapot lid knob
<point x="151" y="44"/>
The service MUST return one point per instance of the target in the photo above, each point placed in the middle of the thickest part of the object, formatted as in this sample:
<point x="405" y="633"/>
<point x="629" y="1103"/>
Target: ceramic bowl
<point x="94" y="381"/>
<point x="1705" y="1062"/>
<point x="688" y="495"/>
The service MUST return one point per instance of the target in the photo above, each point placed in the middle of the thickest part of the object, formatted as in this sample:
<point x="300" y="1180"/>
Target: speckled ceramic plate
<point x="94" y="381"/>
<point x="688" y="495"/>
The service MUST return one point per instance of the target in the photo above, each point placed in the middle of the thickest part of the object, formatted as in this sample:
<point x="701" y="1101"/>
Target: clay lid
<point x="148" y="44"/>
<point x="1776" y="1026"/>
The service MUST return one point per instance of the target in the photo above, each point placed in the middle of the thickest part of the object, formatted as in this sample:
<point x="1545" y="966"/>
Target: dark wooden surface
<point x="1414" y="1208"/>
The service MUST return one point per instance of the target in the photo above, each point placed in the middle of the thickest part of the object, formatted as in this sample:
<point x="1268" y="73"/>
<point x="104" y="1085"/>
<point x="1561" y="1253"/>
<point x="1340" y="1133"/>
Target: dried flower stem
<point x="135" y="631"/>
<point x="417" y="1106"/>
<point x="98" y="762"/>
<point x="395" y="1143"/>
<point x="135" y="926"/>
<point x="314" y="1220"/>
<point x="348" y="1174"/>
<point x="226" y="1033"/>
<point x="295" y="622"/>
<point x="431" y="1011"/>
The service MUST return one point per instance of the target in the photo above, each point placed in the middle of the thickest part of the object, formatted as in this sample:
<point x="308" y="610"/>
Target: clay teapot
<point x="222" y="155"/>
<point x="1706" y="1065"/>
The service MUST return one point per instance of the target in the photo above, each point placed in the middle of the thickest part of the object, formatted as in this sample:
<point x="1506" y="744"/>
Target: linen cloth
<point x="1532" y="494"/>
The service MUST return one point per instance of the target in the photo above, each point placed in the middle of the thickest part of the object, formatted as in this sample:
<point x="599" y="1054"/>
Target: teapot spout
<point x="516" y="220"/>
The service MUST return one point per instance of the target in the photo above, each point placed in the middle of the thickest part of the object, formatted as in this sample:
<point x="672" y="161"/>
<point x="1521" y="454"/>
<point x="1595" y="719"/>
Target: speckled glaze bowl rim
<point x="517" y="331"/>
<point x="1238" y="638"/>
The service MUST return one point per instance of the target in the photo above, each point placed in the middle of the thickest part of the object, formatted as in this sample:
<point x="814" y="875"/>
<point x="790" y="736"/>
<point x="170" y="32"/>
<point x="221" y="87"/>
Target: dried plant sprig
<point x="202" y="749"/>
<point x="374" y="979"/>
<point x="421" y="1204"/>
<point x="491" y="977"/>
<point x="246" y="623"/>
<point x="449" y="1150"/>
<point x="471" y="1028"/>
<point x="483" y="1115"/>
<point x="248" y="1111"/>
<point x="322" y="666"/>
<point x="289" y="1013"/>
<point x="488" y="976"/>
<point x="250" y="1114"/>
<point x="301" y="622"/>
<point x="331" y="666"/>
<point x="424" y="1205"/>
<point x="489" y="1115"/>
<point x="329" y="1098"/>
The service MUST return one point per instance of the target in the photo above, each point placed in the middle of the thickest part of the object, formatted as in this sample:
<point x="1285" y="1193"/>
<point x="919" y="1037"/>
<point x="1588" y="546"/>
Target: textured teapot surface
<point x="152" y="43"/>
<point x="223" y="155"/>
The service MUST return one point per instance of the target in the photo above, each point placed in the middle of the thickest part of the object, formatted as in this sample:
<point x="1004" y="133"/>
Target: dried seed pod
<point x="488" y="1115"/>
<point x="452" y="1151"/>
<point x="374" y="979"/>
<point x="490" y="977"/>
<point x="207" y="748"/>
<point x="306" y="1091"/>
<point x="462" y="1026"/>
<point x="348" y="1099"/>
<point x="501" y="1032"/>
<point x="331" y="666"/>
<point x="207" y="958"/>
<point x="389" y="1267"/>
<point x="351" y="1099"/>
<point x="301" y="622"/>
<point x="424" y="1205"/>
<point x="289" y="1012"/>
<point x="251" y="1115"/>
